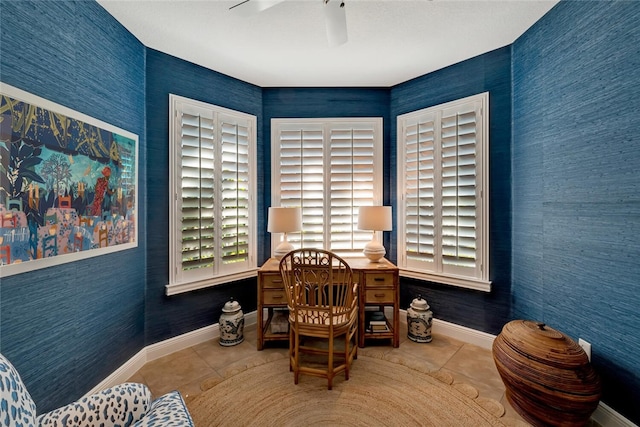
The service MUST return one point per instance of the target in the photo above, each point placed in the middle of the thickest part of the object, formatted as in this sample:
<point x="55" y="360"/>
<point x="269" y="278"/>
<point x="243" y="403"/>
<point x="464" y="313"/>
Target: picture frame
<point x="68" y="184"/>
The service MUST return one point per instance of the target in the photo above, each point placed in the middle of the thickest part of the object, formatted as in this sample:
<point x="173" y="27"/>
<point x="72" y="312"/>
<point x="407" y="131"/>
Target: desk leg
<point x="396" y="316"/>
<point x="259" y="328"/>
<point x="360" y="321"/>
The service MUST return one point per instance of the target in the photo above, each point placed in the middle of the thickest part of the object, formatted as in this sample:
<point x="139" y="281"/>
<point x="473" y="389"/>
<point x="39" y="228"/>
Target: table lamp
<point x="375" y="218"/>
<point x="284" y="220"/>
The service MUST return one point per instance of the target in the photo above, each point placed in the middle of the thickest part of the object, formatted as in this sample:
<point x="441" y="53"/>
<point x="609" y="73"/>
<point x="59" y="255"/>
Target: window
<point x="212" y="195"/>
<point x="443" y="193"/>
<point x="328" y="168"/>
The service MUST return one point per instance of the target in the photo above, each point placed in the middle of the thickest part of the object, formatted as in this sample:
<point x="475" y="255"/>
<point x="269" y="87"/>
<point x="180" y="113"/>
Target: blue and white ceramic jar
<point x="231" y="324"/>
<point x="419" y="320"/>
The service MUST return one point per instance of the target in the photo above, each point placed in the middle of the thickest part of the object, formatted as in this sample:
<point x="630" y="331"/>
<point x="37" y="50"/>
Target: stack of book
<point x="376" y="322"/>
<point x="280" y="322"/>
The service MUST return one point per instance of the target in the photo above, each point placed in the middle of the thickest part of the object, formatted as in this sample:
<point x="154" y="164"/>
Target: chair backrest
<point x="16" y="406"/>
<point x="319" y="286"/>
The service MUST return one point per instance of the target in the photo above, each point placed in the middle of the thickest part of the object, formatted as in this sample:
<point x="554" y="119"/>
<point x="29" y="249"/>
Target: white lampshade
<point x="284" y="220"/>
<point x="375" y="218"/>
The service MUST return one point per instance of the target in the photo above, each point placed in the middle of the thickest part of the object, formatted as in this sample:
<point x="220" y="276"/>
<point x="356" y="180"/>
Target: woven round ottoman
<point x="548" y="377"/>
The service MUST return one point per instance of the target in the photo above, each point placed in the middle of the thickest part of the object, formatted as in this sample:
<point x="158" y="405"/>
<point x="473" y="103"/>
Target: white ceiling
<point x="390" y="41"/>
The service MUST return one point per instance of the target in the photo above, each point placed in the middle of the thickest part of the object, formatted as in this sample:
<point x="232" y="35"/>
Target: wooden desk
<point x="378" y="287"/>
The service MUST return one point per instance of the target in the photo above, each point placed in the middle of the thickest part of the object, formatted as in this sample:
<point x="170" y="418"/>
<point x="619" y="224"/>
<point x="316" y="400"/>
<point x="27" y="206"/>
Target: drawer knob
<point x="378" y="295"/>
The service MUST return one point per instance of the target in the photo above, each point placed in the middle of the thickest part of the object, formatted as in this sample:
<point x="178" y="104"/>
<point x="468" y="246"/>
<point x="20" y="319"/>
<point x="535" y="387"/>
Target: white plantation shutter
<point x="197" y="233"/>
<point x="419" y="188"/>
<point x="329" y="168"/>
<point x="212" y="193"/>
<point x="458" y="174"/>
<point x="352" y="184"/>
<point x="301" y="172"/>
<point x="235" y="191"/>
<point x="443" y="177"/>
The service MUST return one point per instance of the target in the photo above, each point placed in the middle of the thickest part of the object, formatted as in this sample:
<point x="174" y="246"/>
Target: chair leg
<point x="347" y="341"/>
<point x="355" y="343"/>
<point x="296" y="359"/>
<point x="291" y="347"/>
<point x="330" y="364"/>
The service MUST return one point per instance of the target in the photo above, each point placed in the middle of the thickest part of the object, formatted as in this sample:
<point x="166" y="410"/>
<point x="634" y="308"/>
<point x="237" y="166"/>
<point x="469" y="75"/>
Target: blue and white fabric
<point x="128" y="404"/>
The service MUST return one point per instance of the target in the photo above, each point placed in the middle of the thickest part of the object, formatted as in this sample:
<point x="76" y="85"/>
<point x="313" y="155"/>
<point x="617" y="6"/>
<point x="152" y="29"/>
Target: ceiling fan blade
<point x="335" y="19"/>
<point x="251" y="7"/>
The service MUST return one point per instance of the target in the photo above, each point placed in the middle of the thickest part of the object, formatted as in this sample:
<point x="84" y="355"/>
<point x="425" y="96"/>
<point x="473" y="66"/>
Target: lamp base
<point x="282" y="249"/>
<point x="374" y="251"/>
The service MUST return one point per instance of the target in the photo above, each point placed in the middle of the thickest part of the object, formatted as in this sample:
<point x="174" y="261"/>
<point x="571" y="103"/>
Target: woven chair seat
<point x="313" y="316"/>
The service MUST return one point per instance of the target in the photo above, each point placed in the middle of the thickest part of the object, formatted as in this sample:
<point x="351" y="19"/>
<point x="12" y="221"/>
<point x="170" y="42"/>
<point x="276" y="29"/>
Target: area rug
<point x="379" y="392"/>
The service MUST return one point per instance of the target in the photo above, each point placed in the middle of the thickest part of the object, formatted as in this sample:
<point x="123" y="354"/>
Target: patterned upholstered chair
<point x="128" y="404"/>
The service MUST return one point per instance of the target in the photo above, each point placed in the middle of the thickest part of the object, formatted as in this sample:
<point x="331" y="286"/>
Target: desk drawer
<point x="379" y="296"/>
<point x="275" y="296"/>
<point x="272" y="281"/>
<point x="379" y="280"/>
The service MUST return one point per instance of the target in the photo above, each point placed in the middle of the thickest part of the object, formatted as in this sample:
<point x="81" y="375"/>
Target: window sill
<point x="461" y="282"/>
<point x="179" y="288"/>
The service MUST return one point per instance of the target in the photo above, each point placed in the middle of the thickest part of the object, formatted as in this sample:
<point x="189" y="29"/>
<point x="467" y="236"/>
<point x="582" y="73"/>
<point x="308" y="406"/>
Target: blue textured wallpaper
<point x="167" y="317"/>
<point x="489" y="72"/>
<point x="67" y="328"/>
<point x="576" y="187"/>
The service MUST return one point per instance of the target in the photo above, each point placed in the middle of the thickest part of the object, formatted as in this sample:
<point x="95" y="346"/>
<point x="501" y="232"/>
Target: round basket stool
<point x="548" y="377"/>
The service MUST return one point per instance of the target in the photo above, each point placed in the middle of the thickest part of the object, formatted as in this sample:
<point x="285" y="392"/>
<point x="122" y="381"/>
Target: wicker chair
<point x="323" y="306"/>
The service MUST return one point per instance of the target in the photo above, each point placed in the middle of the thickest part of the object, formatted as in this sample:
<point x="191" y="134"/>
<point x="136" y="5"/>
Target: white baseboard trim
<point x="461" y="333"/>
<point x="161" y="349"/>
<point x="122" y="374"/>
<point x="603" y="415"/>
<point x="607" y="417"/>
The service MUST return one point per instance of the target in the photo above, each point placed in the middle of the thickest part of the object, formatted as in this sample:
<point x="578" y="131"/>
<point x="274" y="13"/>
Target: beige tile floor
<point x="187" y="369"/>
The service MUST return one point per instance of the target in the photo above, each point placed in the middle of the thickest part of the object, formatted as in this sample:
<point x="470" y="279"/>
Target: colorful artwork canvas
<point x="68" y="184"/>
